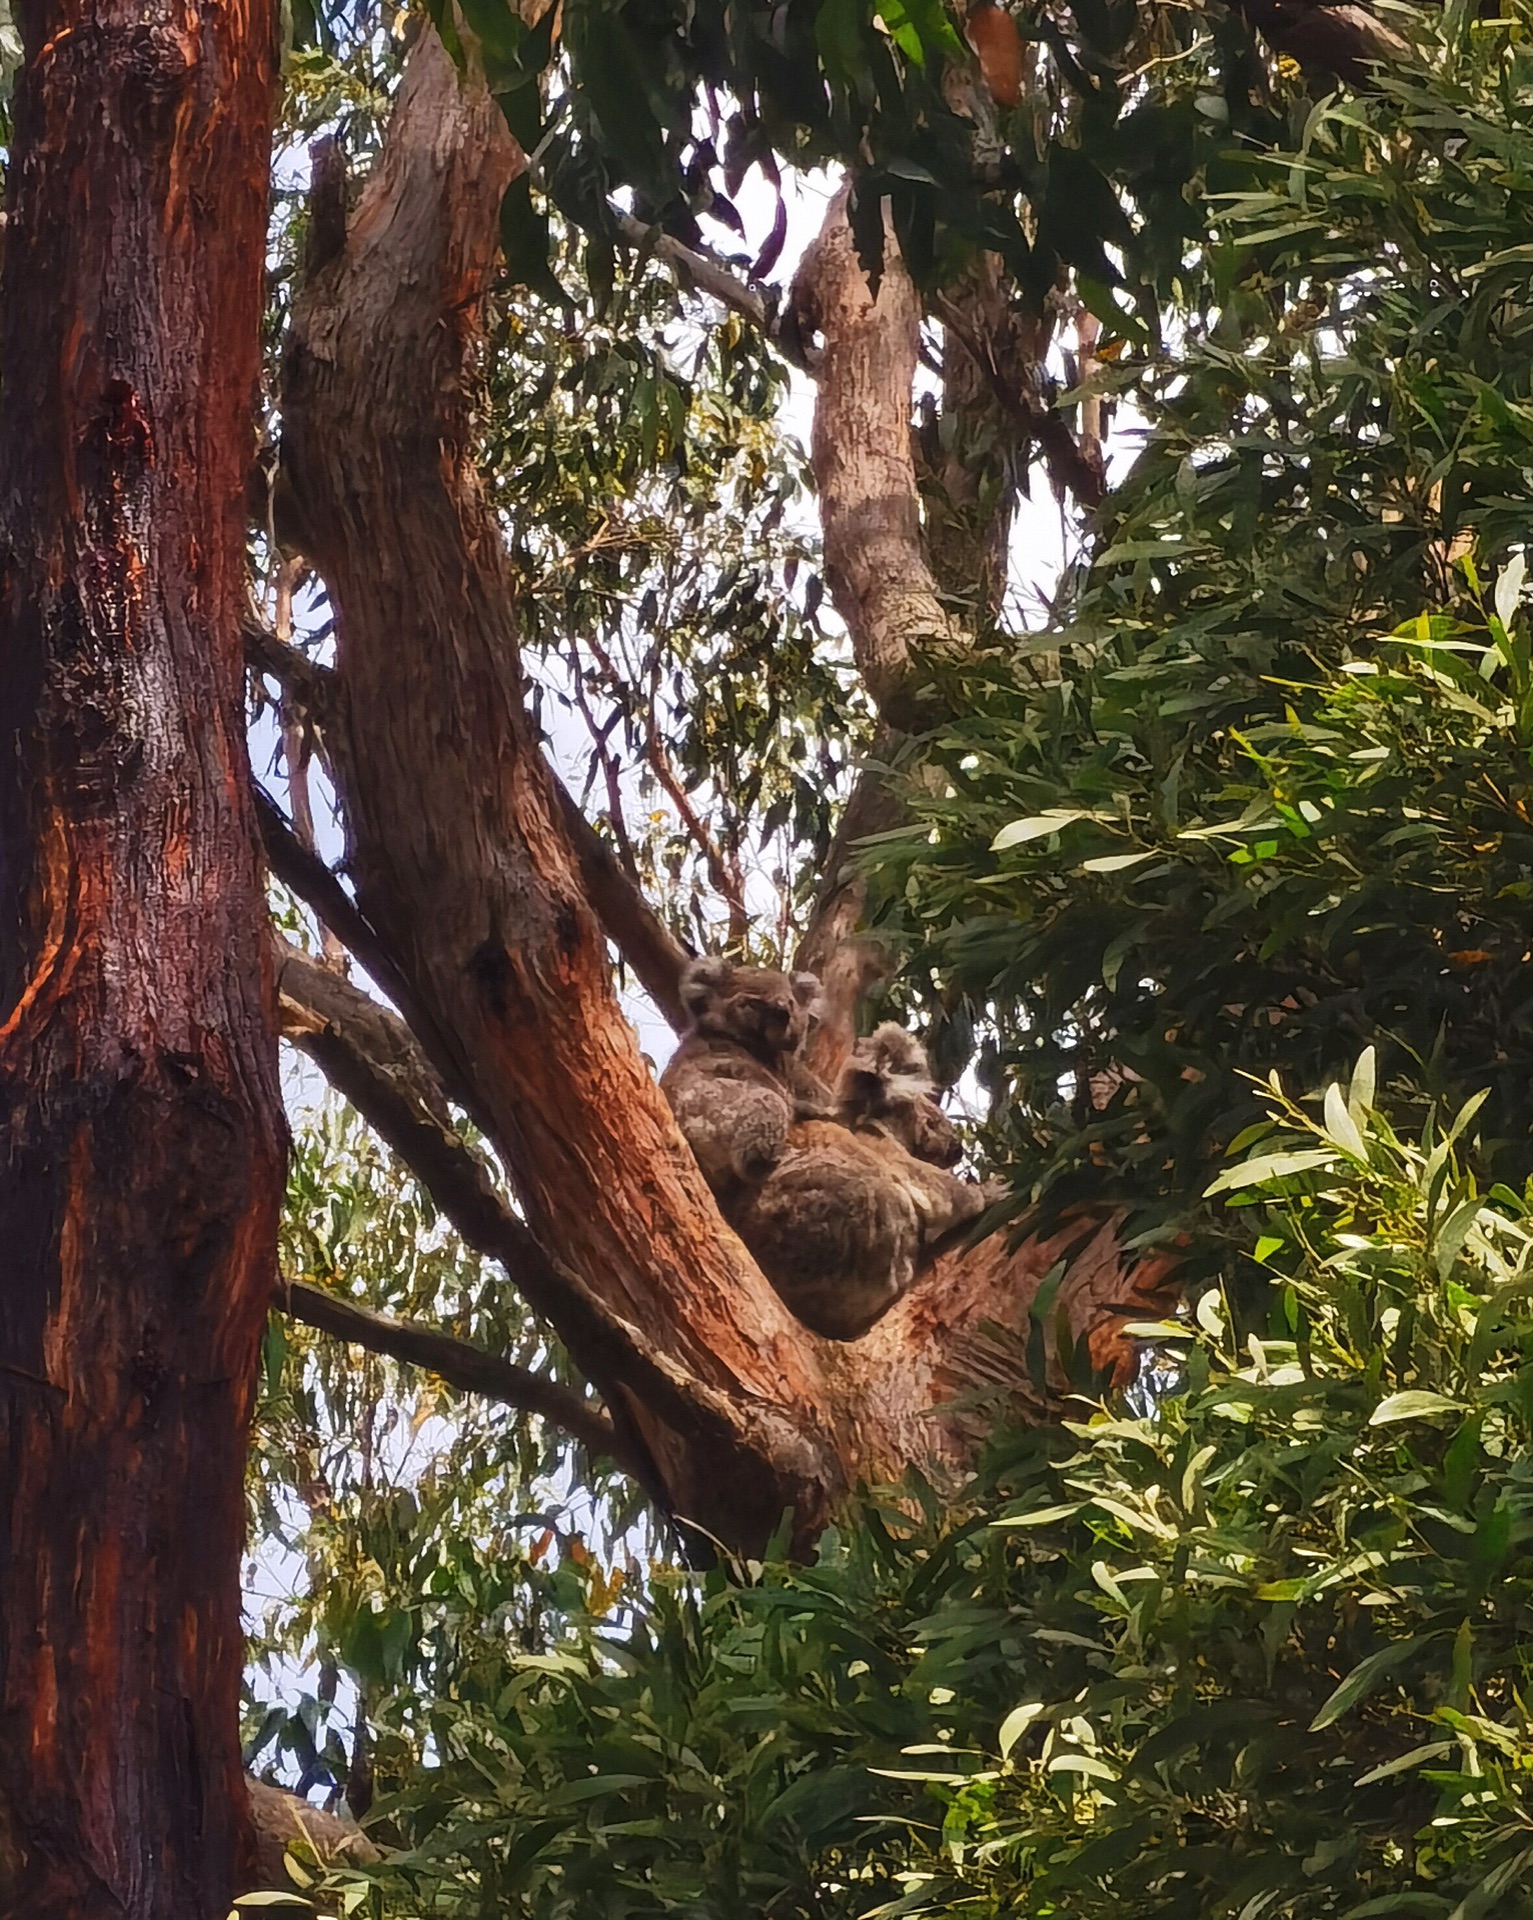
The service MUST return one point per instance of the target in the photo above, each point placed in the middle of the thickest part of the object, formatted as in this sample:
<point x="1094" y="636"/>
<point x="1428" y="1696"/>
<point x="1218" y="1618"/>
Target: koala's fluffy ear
<point x="807" y="990"/>
<point x="891" y="1050"/>
<point x="701" y="979"/>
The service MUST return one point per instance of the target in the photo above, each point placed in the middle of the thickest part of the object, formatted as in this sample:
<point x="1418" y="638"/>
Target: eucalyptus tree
<point x="531" y="162"/>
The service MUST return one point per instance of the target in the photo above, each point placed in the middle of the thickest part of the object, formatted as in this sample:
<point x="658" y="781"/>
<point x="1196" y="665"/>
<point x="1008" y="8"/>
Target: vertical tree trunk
<point x="141" y="1141"/>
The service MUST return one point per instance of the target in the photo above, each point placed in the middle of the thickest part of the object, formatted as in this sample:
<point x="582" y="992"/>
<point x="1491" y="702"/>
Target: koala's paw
<point x="758" y="1144"/>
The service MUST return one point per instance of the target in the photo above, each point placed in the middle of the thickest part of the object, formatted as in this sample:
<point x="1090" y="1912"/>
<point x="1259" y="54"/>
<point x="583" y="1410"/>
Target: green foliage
<point x="1259" y="1649"/>
<point x="675" y="103"/>
<point x="660" y="527"/>
<point x="1250" y="805"/>
<point x="400" y="1523"/>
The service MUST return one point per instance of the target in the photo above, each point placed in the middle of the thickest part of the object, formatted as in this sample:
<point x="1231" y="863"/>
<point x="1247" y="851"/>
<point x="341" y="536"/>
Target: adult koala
<point x="854" y="1210"/>
<point x="736" y="1083"/>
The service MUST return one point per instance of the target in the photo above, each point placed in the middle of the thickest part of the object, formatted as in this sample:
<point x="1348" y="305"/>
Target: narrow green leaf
<point x="1364" y="1678"/>
<point x="1016" y="1724"/>
<point x="1415" y="1404"/>
<point x="1270" y="1166"/>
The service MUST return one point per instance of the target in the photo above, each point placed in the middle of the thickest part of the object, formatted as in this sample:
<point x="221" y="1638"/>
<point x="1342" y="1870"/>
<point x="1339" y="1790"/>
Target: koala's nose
<point x="773" y="1015"/>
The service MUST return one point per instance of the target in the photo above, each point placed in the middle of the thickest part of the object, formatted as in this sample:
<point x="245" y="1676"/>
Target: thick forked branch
<point x="465" y="867"/>
<point x="459" y="848"/>
<point x="461" y="1364"/>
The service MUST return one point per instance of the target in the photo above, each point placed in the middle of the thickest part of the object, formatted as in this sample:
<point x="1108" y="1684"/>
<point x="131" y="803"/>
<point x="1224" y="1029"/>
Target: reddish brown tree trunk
<point x="141" y="1142"/>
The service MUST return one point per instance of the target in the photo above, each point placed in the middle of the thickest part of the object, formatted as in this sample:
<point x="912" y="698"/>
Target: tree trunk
<point x="141" y="1139"/>
<point x="465" y="868"/>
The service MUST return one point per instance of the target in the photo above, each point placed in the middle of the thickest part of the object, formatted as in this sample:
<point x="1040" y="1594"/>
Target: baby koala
<point x="736" y="1083"/>
<point x="855" y="1210"/>
<point x="886" y="1091"/>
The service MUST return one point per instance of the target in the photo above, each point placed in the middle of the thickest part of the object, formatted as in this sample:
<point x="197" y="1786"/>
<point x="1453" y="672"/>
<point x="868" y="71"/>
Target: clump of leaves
<point x="1260" y="1648"/>
<point x="1248" y="805"/>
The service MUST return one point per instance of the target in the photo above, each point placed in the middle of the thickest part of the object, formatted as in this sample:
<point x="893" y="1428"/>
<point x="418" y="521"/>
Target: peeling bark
<point x="141" y="1138"/>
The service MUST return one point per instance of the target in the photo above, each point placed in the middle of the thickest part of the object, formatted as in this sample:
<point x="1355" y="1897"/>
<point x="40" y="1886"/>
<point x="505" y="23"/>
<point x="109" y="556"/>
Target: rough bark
<point x="467" y="875"/>
<point x="141" y="1141"/>
<point x="870" y="514"/>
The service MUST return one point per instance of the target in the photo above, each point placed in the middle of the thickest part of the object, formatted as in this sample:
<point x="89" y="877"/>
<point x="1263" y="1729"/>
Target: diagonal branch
<point x="308" y="876"/>
<point x="461" y="1364"/>
<point x="370" y="1055"/>
<point x="631" y="923"/>
<point x="309" y="682"/>
<point x="461" y="855"/>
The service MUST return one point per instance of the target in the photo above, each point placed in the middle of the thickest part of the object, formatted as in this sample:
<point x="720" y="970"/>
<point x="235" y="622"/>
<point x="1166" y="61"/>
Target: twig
<point x="726" y="883"/>
<point x="306" y="680"/>
<point x="298" y="741"/>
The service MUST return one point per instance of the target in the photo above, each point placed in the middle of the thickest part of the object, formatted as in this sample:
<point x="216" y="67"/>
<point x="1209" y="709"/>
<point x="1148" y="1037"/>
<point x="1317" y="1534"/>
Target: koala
<point x="736" y="1083"/>
<point x="855" y="1209"/>
<point x="886" y="1090"/>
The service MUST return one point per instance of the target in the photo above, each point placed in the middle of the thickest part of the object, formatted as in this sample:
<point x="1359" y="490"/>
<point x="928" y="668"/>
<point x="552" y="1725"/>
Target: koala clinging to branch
<point x="736" y="1083"/>
<point x="886" y="1090"/>
<point x="854" y="1211"/>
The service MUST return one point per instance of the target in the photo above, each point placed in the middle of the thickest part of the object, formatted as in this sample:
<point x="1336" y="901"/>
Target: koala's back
<point x="837" y="1237"/>
<point x="846" y="1222"/>
<point x="732" y="1108"/>
<point x="712" y="1056"/>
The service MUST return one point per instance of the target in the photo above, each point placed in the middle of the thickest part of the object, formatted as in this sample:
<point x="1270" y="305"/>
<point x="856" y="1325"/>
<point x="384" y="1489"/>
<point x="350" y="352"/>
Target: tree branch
<point x="703" y="270"/>
<point x="876" y="564"/>
<point x="460" y="852"/>
<point x="461" y="1364"/>
<point x="370" y="1055"/>
<point x="308" y="876"/>
<point x="631" y="923"/>
<point x="694" y="266"/>
<point x="308" y="681"/>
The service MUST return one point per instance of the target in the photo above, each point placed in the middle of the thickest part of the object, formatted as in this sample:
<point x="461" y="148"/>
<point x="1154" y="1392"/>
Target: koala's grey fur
<point x="886" y="1089"/>
<point x="853" y="1212"/>
<point x="736" y="1083"/>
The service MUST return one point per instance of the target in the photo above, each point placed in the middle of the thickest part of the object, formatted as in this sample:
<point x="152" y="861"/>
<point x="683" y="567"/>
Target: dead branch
<point x="875" y="558"/>
<point x="308" y="876"/>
